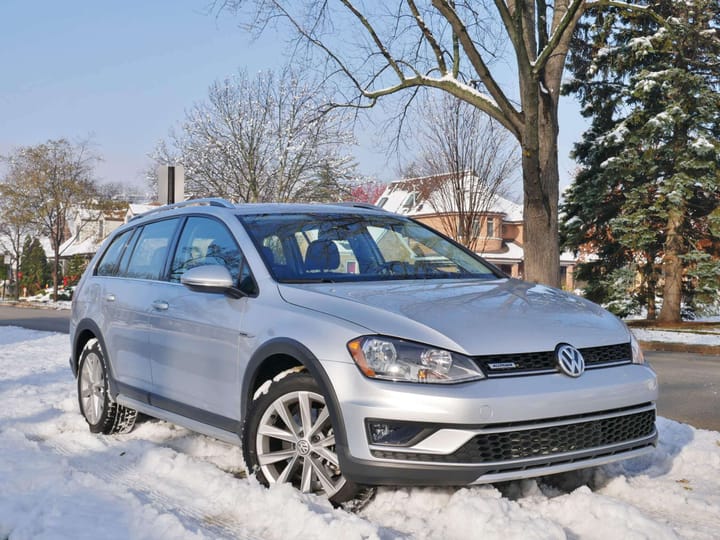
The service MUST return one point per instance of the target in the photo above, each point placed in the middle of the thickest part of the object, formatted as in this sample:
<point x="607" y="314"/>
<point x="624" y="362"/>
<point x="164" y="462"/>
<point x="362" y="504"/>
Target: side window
<point x="148" y="257"/>
<point x="205" y="241"/>
<point x="108" y="264"/>
<point x="394" y="247"/>
<point x="273" y="249"/>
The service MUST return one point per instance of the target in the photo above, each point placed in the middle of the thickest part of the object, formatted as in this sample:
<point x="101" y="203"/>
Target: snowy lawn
<point x="707" y="337"/>
<point x="58" y="481"/>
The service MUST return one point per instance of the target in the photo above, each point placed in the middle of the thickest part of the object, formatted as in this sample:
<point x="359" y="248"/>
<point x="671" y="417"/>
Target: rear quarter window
<point x="108" y="265"/>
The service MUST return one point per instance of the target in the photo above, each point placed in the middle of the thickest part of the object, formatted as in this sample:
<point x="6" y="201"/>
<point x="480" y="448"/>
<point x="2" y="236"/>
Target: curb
<point x="663" y="346"/>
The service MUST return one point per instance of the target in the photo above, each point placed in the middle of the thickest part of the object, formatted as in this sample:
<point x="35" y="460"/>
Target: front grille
<point x="541" y="441"/>
<point x="503" y="365"/>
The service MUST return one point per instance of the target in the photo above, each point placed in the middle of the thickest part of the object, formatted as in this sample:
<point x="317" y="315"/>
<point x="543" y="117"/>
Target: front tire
<point x="288" y="436"/>
<point x="101" y="412"/>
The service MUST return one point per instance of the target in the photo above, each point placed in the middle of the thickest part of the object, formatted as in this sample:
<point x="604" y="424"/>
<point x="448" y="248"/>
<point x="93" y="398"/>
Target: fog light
<point x="392" y="433"/>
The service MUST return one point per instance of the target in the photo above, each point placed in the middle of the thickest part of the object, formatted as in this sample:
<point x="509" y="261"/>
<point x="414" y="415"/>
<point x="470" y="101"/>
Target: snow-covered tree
<point x="463" y="48"/>
<point x="649" y="189"/>
<point x="259" y="139"/>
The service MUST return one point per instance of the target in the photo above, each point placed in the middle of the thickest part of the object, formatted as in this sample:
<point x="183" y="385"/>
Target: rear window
<point x="108" y="265"/>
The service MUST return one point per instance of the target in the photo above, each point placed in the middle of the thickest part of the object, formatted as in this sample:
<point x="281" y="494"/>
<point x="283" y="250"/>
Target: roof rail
<point x="215" y="201"/>
<point x="367" y="206"/>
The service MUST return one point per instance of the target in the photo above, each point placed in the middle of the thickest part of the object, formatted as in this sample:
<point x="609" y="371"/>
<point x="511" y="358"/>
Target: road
<point x="689" y="387"/>
<point x="689" y="383"/>
<point x="48" y="320"/>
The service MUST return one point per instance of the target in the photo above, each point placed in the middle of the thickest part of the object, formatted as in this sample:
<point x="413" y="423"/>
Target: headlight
<point x="397" y="360"/>
<point x="637" y="355"/>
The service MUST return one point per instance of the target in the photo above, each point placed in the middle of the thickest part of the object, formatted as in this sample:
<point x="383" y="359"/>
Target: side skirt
<point x="194" y="425"/>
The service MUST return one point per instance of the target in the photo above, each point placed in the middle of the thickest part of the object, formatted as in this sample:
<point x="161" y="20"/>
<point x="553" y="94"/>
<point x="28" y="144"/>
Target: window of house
<point x="475" y="230"/>
<point x="409" y="202"/>
<point x="491" y="227"/>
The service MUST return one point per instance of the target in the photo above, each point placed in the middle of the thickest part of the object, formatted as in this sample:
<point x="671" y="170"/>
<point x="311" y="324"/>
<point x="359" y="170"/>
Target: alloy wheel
<point x="295" y="443"/>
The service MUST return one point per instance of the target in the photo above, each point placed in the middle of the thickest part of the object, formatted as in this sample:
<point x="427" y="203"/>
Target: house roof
<point x="420" y="197"/>
<point x="72" y="247"/>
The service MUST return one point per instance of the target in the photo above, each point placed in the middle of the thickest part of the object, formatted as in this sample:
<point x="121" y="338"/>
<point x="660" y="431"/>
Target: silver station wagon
<point x="344" y="346"/>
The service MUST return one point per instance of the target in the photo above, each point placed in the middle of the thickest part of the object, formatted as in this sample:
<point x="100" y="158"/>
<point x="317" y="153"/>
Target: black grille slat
<point x="498" y="365"/>
<point x="542" y="441"/>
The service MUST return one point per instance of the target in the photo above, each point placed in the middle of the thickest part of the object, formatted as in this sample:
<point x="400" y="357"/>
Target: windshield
<point x="308" y="248"/>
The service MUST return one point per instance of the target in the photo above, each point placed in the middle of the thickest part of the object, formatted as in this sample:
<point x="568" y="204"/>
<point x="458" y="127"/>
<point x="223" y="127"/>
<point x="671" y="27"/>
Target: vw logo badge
<point x="570" y="360"/>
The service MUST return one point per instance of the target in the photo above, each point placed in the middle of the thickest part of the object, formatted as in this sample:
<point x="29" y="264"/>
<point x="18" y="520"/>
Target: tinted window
<point x="109" y="262"/>
<point x="205" y="241"/>
<point x="148" y="257"/>
<point x="344" y="247"/>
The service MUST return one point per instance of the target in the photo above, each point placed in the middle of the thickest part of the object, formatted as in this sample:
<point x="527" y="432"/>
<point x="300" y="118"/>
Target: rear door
<point x="126" y="305"/>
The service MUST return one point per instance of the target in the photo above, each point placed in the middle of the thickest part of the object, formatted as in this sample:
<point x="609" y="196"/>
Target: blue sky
<point x="123" y="73"/>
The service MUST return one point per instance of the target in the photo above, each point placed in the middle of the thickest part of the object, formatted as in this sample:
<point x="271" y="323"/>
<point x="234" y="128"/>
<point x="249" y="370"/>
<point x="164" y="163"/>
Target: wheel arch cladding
<point x="85" y="331"/>
<point x="289" y="353"/>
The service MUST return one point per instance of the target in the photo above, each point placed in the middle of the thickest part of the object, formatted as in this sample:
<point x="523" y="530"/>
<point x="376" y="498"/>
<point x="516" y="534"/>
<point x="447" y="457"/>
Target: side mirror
<point x="212" y="278"/>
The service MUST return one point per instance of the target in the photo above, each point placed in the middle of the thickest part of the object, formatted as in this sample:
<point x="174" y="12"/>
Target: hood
<point x="469" y="316"/>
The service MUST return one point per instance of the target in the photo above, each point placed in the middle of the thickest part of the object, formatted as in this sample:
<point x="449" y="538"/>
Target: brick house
<point x="498" y="231"/>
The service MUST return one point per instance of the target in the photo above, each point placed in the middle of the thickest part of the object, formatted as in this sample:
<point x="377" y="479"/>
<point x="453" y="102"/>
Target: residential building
<point x="497" y="231"/>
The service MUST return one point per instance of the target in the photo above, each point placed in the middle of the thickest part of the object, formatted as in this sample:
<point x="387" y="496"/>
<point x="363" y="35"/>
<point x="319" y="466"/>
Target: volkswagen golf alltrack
<point x="343" y="346"/>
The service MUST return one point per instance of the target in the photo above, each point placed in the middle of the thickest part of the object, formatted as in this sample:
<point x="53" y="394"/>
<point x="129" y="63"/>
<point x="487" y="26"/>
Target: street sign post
<point x="171" y="184"/>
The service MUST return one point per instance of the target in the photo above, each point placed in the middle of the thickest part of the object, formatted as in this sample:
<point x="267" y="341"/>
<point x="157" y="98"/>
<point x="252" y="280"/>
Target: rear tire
<point x="101" y="412"/>
<point x="288" y="436"/>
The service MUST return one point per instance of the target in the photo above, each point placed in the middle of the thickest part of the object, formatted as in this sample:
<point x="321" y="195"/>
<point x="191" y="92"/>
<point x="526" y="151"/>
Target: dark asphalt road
<point x="48" y="320"/>
<point x="689" y="387"/>
<point x="689" y="383"/>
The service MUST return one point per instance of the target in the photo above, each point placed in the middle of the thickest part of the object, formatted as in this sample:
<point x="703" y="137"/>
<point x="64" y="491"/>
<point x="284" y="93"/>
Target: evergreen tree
<point x="649" y="185"/>
<point x="34" y="267"/>
<point x="76" y="266"/>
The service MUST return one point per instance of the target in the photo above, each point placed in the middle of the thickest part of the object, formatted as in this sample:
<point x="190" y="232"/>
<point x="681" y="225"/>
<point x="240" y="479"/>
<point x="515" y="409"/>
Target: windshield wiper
<point x="307" y="280"/>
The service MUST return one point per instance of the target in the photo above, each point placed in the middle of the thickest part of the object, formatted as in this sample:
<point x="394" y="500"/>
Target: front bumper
<point x="500" y="429"/>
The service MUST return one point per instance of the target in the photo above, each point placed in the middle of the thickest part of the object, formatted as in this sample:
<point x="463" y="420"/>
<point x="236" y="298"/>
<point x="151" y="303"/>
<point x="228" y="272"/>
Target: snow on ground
<point x="708" y="337"/>
<point x="58" y="481"/>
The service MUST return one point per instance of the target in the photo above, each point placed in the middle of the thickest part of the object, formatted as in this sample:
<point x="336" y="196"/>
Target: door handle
<point x="160" y="305"/>
<point x="110" y="298"/>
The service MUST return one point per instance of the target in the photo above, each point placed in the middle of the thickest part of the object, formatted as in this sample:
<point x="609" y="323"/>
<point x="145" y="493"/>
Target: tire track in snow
<point x="194" y="519"/>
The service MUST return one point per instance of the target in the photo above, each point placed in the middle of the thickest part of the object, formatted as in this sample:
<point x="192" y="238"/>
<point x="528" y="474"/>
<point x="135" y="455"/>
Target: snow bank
<point x="669" y="336"/>
<point x="59" y="481"/>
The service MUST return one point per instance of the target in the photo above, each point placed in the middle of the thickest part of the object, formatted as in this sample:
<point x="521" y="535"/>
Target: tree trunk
<point x="55" y="271"/>
<point x="672" y="270"/>
<point x="541" y="180"/>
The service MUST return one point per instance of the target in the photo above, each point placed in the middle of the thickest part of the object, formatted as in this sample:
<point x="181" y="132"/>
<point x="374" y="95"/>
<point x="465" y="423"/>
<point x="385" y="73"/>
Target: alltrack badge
<point x="570" y="360"/>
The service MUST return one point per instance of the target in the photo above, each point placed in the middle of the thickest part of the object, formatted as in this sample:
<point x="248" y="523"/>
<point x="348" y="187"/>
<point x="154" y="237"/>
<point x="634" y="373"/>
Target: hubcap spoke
<point x="281" y="409"/>
<point x="305" y="413"/>
<point x="323" y="417"/>
<point x="276" y="433"/>
<point x="274" y="457"/>
<point x="325" y="481"/>
<point x="287" y="472"/>
<point x="326" y="454"/>
<point x="307" y="474"/>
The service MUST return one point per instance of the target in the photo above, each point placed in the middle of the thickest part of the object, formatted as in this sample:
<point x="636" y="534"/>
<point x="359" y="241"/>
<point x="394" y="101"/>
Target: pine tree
<point x="76" y="266"/>
<point x="34" y="267"/>
<point x="649" y="185"/>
